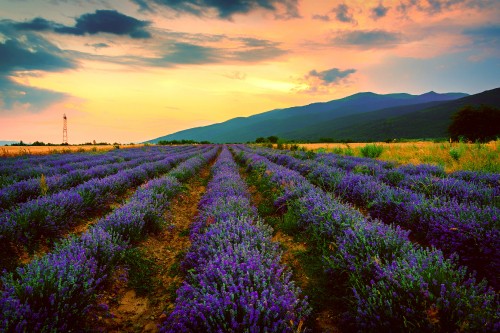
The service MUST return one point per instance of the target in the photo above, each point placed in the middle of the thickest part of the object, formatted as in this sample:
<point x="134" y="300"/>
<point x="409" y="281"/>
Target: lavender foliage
<point x="235" y="282"/>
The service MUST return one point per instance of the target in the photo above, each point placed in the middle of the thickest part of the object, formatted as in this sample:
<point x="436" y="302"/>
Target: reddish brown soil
<point x="131" y="313"/>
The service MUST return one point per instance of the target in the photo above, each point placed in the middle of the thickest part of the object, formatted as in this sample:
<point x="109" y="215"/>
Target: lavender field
<point x="236" y="238"/>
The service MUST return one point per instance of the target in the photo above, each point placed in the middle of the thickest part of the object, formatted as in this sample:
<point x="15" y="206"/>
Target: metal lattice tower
<point x="65" y="129"/>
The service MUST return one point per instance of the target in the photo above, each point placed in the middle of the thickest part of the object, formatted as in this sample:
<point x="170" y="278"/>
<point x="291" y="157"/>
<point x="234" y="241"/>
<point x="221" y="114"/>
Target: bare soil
<point x="129" y="312"/>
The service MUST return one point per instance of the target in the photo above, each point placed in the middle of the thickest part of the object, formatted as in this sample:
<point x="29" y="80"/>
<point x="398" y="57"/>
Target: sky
<point x="133" y="70"/>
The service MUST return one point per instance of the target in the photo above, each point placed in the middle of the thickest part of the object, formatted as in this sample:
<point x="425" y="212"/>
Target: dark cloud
<point x="102" y="21"/>
<point x="15" y="55"/>
<point x="379" y="11"/>
<point x="37" y="24"/>
<point x="331" y="76"/>
<point x="343" y="13"/>
<point x="367" y="38"/>
<point x="24" y="51"/>
<point x="323" y="81"/>
<point x="14" y="96"/>
<point x="224" y="9"/>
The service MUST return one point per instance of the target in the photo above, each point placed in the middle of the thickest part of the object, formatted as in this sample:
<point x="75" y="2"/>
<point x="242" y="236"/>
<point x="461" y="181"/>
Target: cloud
<point x="37" y="24"/>
<point x="439" y="6"/>
<point x="186" y="53"/>
<point x="325" y="18"/>
<point x="343" y="13"/>
<point x="14" y="55"/>
<point x="257" y="50"/>
<point x="236" y="75"/>
<point x="485" y="42"/>
<point x="102" y="21"/>
<point x="379" y="11"/>
<point x="97" y="46"/>
<point x="14" y="96"/>
<point x="323" y="81"/>
<point x="484" y="35"/>
<point x="331" y="76"/>
<point x="21" y="55"/>
<point x="224" y="9"/>
<point x="249" y="50"/>
<point x="367" y="38"/>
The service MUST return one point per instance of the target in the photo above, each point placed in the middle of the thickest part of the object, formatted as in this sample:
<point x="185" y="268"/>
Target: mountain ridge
<point x="310" y="122"/>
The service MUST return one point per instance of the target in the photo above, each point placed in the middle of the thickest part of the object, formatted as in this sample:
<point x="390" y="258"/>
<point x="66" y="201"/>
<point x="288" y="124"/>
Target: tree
<point x="272" y="139"/>
<point x="476" y="124"/>
<point x="260" y="140"/>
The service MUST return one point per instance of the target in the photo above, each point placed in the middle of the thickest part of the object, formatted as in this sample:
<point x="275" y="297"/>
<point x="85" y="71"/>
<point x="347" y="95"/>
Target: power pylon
<point x="65" y="130"/>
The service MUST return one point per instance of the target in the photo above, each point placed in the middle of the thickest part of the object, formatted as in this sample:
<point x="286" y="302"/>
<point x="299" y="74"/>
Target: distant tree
<point x="272" y="139"/>
<point x="476" y="124"/>
<point x="38" y="143"/>
<point x="260" y="140"/>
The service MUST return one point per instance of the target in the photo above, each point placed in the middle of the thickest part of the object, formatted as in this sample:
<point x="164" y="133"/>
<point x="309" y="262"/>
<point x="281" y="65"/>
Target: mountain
<point x="430" y="121"/>
<point x="4" y="143"/>
<point x="361" y="116"/>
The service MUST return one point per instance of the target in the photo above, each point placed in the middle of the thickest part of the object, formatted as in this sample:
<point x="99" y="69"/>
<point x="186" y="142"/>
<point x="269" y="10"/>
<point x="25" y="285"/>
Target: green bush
<point x="456" y="153"/>
<point x="372" y="151"/>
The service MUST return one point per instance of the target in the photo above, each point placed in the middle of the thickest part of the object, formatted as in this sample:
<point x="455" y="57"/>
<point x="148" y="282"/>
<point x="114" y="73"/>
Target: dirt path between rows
<point x="129" y="312"/>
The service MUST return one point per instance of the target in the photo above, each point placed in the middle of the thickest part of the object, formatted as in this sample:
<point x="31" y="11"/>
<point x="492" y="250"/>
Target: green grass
<point x="141" y="271"/>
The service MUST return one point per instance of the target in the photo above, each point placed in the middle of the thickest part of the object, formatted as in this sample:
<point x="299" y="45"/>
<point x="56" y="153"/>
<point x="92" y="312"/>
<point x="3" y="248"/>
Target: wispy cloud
<point x="97" y="46"/>
<point x="439" y="6"/>
<point x="488" y="35"/>
<point x="367" y="39"/>
<point x="222" y="8"/>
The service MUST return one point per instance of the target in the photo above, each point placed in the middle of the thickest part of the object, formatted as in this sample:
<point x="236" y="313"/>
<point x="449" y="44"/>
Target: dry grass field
<point x="452" y="156"/>
<point x="11" y="151"/>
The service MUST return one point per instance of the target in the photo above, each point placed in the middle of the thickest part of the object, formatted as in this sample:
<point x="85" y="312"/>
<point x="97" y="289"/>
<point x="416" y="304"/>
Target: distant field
<point x="10" y="151"/>
<point x="452" y="156"/>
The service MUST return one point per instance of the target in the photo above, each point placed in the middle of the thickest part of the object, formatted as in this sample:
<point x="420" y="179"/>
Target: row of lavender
<point x="381" y="168"/>
<point x="395" y="285"/>
<point x="100" y="166"/>
<point x="430" y="180"/>
<point x="22" y="168"/>
<point x="468" y="229"/>
<point x="51" y="215"/>
<point x="235" y="282"/>
<point x="55" y="292"/>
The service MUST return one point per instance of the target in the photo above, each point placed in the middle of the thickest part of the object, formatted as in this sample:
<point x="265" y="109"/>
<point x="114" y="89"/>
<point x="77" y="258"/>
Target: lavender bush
<point x="396" y="285"/>
<point x="235" y="282"/>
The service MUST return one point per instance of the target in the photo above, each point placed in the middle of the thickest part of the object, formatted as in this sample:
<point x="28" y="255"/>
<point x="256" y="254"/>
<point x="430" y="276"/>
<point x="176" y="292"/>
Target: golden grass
<point x="471" y="156"/>
<point x="11" y="151"/>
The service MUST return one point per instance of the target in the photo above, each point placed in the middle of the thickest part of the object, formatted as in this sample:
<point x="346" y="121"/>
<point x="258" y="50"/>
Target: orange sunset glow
<point x="129" y="71"/>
